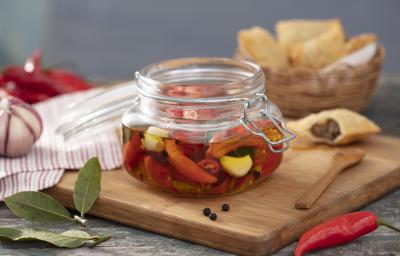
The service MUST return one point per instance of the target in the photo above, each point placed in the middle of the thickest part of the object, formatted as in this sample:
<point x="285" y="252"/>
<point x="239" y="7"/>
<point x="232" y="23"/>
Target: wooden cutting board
<point x="261" y="220"/>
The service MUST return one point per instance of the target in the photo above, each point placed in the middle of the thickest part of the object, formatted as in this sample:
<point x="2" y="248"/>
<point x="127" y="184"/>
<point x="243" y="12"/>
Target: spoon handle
<point x="339" y="162"/>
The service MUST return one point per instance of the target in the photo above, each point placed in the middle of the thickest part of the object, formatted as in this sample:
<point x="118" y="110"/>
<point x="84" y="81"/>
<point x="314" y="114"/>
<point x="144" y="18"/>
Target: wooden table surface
<point x="384" y="109"/>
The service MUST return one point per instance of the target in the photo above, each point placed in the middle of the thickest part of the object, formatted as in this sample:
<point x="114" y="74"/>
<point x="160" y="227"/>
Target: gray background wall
<point x="113" y="38"/>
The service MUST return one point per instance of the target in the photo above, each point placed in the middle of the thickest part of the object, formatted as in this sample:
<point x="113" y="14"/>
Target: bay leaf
<point x="37" y="206"/>
<point x="87" y="186"/>
<point x="68" y="239"/>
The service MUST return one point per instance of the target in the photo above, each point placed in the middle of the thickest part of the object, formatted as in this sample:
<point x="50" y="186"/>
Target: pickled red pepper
<point x="168" y="161"/>
<point x="158" y="172"/>
<point x="338" y="231"/>
<point x="132" y="151"/>
<point x="219" y="150"/>
<point x="185" y="165"/>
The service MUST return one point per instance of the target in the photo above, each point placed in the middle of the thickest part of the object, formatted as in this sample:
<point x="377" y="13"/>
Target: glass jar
<point x="201" y="127"/>
<point x="194" y="127"/>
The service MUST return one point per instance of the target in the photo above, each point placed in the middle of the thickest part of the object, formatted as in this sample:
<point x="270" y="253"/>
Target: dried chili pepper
<point x="338" y="231"/>
<point x="31" y="81"/>
<point x="32" y="84"/>
<point x="70" y="81"/>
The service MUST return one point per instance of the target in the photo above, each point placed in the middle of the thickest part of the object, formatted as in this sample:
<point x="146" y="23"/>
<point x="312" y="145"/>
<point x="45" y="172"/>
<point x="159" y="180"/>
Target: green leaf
<point x="37" y="206"/>
<point x="87" y="186"/>
<point x="68" y="239"/>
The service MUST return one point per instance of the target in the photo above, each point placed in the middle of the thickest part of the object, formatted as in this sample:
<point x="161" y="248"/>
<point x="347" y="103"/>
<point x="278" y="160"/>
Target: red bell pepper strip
<point x="160" y="174"/>
<point x="218" y="150"/>
<point x="272" y="162"/>
<point x="185" y="165"/>
<point x="260" y="156"/>
<point x="338" y="231"/>
<point x="132" y="152"/>
<point x="180" y="177"/>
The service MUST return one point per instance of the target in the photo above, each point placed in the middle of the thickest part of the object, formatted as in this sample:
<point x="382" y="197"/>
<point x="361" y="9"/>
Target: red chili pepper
<point x="338" y="231"/>
<point x="210" y="165"/>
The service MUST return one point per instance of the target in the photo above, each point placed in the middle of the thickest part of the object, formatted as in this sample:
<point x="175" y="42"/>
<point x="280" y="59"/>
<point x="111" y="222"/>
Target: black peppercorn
<point x="206" y="211"/>
<point x="213" y="216"/>
<point x="225" y="207"/>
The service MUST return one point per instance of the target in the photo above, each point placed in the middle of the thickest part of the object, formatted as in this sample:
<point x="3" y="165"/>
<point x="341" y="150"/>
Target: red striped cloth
<point x="50" y="156"/>
<point x="28" y="181"/>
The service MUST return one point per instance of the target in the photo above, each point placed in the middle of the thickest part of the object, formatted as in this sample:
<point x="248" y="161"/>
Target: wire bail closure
<point x="252" y="127"/>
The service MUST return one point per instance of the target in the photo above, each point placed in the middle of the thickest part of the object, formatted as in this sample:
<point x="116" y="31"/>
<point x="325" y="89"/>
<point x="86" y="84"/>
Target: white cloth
<point x="50" y="156"/>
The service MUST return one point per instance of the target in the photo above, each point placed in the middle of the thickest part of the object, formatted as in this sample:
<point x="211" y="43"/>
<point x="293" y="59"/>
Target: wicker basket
<point x="300" y="91"/>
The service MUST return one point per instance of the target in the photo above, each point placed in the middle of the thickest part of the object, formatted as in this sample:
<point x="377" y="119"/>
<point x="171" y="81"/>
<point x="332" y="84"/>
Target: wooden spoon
<point x="342" y="159"/>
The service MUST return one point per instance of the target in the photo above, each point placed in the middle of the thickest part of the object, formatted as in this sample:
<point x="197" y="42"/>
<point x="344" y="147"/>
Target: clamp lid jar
<point x="202" y="126"/>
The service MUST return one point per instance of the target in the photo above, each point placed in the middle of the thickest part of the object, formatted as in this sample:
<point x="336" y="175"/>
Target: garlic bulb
<point x="20" y="127"/>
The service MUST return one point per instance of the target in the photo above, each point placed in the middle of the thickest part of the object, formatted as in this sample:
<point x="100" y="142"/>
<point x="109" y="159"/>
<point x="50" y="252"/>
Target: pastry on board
<point x="334" y="127"/>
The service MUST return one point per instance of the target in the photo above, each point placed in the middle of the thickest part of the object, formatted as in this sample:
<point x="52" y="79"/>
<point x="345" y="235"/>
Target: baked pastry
<point x="320" y="50"/>
<point x="290" y="32"/>
<point x="335" y="127"/>
<point x="261" y="45"/>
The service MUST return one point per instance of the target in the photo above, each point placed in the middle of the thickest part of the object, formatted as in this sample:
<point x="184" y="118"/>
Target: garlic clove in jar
<point x="20" y="127"/>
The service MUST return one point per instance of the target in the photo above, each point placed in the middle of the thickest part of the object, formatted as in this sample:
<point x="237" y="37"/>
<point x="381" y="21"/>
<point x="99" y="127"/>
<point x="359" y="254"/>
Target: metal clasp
<point x="252" y="127"/>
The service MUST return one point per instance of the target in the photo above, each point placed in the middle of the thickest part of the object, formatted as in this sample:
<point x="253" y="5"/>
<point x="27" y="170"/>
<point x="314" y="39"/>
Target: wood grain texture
<point x="133" y="241"/>
<point x="263" y="219"/>
<point x="341" y="160"/>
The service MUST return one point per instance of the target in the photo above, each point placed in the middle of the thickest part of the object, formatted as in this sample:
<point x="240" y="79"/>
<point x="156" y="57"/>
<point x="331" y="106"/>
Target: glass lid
<point x="100" y="112"/>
